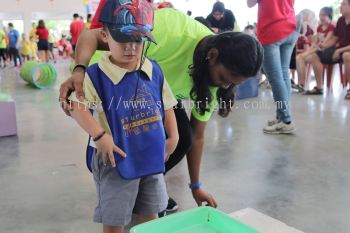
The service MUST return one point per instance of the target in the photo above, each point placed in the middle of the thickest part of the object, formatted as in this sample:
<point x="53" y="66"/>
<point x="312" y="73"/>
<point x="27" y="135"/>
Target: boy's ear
<point x="104" y="35"/>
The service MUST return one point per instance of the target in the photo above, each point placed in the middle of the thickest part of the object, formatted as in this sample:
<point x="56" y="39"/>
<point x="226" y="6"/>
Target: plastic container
<point x="39" y="75"/>
<point x="248" y="89"/>
<point x="198" y="220"/>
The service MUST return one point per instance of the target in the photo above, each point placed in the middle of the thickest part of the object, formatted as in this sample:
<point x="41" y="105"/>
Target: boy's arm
<point x="105" y="144"/>
<point x="170" y="126"/>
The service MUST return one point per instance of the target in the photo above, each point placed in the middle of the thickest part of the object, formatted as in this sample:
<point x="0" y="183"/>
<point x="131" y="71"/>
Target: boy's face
<point x="123" y="53"/>
<point x="345" y="7"/>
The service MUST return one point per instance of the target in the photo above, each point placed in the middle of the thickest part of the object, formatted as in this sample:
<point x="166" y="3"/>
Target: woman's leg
<point x="185" y="138"/>
<point x="273" y="70"/>
<point x="286" y="49"/>
<point x="47" y="56"/>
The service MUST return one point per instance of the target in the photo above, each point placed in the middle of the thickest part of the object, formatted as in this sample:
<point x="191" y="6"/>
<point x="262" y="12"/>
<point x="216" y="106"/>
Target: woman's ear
<point x="104" y="35"/>
<point x="212" y="56"/>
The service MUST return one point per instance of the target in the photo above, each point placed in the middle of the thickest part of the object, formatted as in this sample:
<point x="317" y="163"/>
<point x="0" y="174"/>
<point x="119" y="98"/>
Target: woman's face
<point x="324" y="19"/>
<point x="218" y="15"/>
<point x="222" y="77"/>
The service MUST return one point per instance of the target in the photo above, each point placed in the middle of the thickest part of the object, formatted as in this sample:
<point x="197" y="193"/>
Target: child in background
<point x="52" y="42"/>
<point x="33" y="48"/>
<point x="132" y="183"/>
<point x="3" y="48"/>
<point x="26" y="49"/>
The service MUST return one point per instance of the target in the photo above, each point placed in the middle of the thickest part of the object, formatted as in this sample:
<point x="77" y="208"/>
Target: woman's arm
<point x="194" y="158"/>
<point x="89" y="41"/>
<point x="251" y="3"/>
<point x="331" y="40"/>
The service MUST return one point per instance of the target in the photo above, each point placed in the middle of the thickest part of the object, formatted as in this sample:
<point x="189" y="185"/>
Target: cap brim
<point x="122" y="37"/>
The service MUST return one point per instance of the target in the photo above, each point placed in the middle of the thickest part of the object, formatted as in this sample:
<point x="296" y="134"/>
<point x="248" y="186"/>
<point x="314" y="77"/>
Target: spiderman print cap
<point x="128" y="20"/>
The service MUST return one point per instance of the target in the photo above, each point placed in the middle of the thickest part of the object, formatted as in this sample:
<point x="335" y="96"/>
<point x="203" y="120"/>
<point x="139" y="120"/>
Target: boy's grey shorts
<point x="118" y="199"/>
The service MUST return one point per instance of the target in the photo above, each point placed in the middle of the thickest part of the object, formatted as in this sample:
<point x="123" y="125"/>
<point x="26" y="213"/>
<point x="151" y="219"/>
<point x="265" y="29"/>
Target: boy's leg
<point x="143" y="219"/>
<point x="111" y="229"/>
<point x="346" y="60"/>
<point x="115" y="196"/>
<point x="152" y="198"/>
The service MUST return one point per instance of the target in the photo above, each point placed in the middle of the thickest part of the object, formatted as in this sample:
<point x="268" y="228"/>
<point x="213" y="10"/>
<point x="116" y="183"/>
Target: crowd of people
<point x="40" y="45"/>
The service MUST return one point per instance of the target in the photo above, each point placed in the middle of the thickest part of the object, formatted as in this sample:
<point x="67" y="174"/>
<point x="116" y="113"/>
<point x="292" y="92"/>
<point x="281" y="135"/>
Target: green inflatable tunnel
<point x="39" y="75"/>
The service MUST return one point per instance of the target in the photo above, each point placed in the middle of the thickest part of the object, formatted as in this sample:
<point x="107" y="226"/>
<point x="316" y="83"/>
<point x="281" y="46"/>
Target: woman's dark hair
<point x="218" y="6"/>
<point x="41" y="24"/>
<point x="328" y="11"/>
<point x="240" y="53"/>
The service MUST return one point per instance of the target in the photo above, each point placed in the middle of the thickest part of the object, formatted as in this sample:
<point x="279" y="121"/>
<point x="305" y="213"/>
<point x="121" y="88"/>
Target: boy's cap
<point x="128" y="20"/>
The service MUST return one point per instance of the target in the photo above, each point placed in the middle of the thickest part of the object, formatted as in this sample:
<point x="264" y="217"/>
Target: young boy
<point x="128" y="146"/>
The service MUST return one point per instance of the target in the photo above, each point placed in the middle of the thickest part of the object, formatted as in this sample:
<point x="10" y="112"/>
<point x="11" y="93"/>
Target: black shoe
<point x="172" y="205"/>
<point x="162" y="214"/>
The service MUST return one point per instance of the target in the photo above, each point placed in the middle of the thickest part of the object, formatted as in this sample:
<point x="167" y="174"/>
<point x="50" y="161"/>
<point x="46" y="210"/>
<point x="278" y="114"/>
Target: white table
<point x="262" y="222"/>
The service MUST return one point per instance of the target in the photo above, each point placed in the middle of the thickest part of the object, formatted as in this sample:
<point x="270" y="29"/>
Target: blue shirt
<point x="13" y="38"/>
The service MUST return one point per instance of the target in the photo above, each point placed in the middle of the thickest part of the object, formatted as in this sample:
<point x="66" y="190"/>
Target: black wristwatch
<point x="79" y="66"/>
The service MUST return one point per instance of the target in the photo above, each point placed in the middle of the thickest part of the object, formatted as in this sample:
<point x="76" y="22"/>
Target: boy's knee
<point x="143" y="218"/>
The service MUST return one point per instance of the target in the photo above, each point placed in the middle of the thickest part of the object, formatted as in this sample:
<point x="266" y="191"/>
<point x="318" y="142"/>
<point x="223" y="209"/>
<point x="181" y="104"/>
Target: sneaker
<point x="273" y="122"/>
<point x="280" y="128"/>
<point x="162" y="214"/>
<point x="172" y="205"/>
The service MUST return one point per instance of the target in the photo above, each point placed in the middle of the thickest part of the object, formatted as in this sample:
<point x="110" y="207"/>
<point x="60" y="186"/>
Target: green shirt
<point x="2" y="40"/>
<point x="177" y="36"/>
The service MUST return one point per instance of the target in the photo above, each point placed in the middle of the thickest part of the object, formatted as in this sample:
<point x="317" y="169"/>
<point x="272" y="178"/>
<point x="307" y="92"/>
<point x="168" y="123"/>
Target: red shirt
<point x="95" y="23"/>
<point x="342" y="31"/>
<point x="276" y="20"/>
<point x="76" y="27"/>
<point x="304" y="39"/>
<point x="42" y="33"/>
<point x="322" y="33"/>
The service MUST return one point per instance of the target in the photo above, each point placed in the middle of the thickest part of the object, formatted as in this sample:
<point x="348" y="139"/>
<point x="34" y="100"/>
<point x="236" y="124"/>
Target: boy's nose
<point x="130" y="46"/>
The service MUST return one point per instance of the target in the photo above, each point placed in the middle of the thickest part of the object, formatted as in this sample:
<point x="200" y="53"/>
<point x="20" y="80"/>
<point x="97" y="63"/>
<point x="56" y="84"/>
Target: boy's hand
<point x="106" y="147"/>
<point x="170" y="146"/>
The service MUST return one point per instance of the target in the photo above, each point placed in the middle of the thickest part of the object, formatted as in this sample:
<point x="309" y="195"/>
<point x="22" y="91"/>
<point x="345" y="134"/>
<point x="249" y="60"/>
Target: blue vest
<point x="136" y="122"/>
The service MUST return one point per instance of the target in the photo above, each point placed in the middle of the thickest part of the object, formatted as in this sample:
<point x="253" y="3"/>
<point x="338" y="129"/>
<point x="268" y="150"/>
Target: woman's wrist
<point x="195" y="186"/>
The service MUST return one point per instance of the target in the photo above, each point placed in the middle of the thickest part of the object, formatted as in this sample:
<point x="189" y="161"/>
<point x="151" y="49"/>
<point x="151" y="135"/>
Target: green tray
<point x="198" y="220"/>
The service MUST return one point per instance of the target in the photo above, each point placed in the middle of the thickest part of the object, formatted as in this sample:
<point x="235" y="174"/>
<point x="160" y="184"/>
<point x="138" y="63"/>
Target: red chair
<point x="328" y="69"/>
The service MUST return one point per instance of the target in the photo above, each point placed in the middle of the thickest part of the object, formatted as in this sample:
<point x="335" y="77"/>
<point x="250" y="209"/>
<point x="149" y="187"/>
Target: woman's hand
<point x="74" y="83"/>
<point x="336" y="55"/>
<point x="200" y="196"/>
<point x="105" y="148"/>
